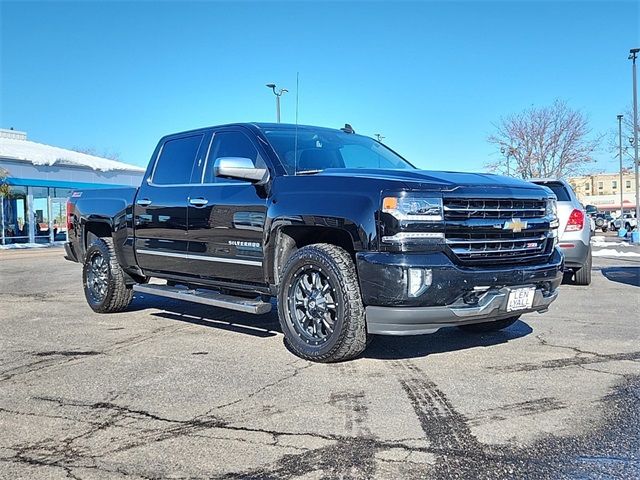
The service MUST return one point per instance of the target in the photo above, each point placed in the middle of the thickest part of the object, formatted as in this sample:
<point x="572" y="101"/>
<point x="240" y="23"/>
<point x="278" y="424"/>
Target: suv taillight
<point x="576" y="221"/>
<point x="69" y="220"/>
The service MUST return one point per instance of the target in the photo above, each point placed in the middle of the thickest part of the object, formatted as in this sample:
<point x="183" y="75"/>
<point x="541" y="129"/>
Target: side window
<point x="230" y="144"/>
<point x="176" y="160"/>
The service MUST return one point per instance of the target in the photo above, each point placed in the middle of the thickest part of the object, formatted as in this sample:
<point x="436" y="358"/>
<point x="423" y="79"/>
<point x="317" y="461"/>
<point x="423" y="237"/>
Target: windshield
<point x="317" y="150"/>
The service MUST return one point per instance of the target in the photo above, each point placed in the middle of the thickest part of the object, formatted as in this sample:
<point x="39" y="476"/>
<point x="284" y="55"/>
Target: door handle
<point x="198" y="202"/>
<point x="144" y="202"/>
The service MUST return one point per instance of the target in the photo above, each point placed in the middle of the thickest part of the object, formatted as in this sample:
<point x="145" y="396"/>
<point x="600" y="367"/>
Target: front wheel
<point x="104" y="284"/>
<point x="319" y="305"/>
<point x="489" y="326"/>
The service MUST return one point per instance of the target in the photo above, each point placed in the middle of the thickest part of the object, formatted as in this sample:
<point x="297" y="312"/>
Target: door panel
<point x="160" y="211"/>
<point x="225" y="235"/>
<point x="161" y="228"/>
<point x="226" y="217"/>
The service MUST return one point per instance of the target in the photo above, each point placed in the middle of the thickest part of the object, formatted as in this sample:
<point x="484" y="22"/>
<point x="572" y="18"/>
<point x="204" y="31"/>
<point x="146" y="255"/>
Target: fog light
<point x="419" y="281"/>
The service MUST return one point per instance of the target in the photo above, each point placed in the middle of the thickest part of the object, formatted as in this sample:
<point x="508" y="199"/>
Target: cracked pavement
<point x="174" y="390"/>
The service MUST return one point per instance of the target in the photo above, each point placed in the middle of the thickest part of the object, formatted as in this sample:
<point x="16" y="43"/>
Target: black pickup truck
<point x="349" y="237"/>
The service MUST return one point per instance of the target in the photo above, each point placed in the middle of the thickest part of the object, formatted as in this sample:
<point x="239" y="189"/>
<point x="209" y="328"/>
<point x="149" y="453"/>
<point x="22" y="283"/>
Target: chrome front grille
<point x="480" y="231"/>
<point x="461" y="208"/>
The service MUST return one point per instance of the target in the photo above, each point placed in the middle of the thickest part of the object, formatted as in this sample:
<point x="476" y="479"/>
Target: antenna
<point x="295" y="141"/>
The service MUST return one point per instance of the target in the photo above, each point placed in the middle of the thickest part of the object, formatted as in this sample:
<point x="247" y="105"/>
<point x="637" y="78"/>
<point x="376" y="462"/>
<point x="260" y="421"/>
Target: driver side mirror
<point x="240" y="168"/>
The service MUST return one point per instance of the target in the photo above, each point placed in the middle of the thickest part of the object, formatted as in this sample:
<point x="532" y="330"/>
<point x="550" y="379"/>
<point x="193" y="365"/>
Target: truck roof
<point x="260" y="126"/>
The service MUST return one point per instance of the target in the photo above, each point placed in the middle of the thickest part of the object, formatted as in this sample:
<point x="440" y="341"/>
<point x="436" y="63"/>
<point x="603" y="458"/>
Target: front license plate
<point x="520" y="298"/>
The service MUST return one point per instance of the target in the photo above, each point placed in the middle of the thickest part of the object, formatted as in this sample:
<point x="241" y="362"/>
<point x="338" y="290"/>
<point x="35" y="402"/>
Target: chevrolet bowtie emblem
<point x="515" y="225"/>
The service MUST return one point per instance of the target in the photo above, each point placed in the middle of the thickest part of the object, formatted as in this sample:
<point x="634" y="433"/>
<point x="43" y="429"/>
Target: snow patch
<point x="601" y="242"/>
<point x="41" y="154"/>
<point x="610" y="252"/>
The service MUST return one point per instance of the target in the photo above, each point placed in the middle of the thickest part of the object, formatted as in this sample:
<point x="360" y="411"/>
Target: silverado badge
<point x="515" y="225"/>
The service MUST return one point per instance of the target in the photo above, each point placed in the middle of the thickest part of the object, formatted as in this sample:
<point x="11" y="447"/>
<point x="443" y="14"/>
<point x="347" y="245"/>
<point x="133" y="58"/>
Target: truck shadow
<point x="626" y="275"/>
<point x="207" y="316"/>
<point x="265" y="326"/>
<point x="444" y="340"/>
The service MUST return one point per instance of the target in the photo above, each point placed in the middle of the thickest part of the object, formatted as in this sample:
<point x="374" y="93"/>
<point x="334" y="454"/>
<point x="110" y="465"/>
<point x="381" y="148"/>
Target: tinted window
<point x="560" y="191"/>
<point x="230" y="144"/>
<point x="176" y="160"/>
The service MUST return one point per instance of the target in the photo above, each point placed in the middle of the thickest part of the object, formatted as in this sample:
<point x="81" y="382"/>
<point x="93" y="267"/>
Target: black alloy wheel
<point x="312" y="303"/>
<point x="319" y="304"/>
<point x="97" y="277"/>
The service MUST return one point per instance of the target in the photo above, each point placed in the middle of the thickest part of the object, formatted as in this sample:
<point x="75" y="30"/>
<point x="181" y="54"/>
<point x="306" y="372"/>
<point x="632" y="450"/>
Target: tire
<point x="319" y="305"/>
<point x="487" y="327"/>
<point x="103" y="279"/>
<point x="604" y="229"/>
<point x="627" y="227"/>
<point x="583" y="274"/>
<point x="599" y="222"/>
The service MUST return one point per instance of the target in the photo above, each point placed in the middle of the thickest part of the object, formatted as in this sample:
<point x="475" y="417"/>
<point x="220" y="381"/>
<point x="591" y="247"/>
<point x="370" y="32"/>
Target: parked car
<point x="349" y="237"/>
<point x="574" y="231"/>
<point x="602" y="221"/>
<point x="628" y="221"/>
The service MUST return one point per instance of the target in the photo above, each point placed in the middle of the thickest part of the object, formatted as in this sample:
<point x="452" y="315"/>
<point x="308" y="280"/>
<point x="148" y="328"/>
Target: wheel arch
<point x="288" y="239"/>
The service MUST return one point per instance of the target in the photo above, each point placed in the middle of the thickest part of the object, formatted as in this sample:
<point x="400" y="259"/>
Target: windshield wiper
<point x="307" y="172"/>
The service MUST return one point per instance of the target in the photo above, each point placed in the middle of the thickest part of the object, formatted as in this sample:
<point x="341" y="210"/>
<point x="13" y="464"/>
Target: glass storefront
<point x="34" y="215"/>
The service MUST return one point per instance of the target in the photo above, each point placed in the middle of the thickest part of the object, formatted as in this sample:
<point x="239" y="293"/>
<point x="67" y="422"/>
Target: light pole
<point x="620" y="143"/>
<point x="278" y="94"/>
<point x="633" y="54"/>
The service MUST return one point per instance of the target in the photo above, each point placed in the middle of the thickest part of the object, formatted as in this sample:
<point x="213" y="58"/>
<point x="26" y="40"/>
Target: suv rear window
<point x="559" y="189"/>
<point x="176" y="160"/>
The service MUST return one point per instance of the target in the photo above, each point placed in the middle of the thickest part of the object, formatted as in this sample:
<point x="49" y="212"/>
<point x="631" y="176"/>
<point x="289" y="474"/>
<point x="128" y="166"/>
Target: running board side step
<point x="247" y="305"/>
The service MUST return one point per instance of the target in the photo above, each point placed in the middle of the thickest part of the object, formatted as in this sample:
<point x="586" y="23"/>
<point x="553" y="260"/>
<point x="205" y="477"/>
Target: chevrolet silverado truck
<point x="349" y="237"/>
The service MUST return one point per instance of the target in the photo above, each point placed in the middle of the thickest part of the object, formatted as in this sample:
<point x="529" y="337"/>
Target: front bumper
<point x="457" y="295"/>
<point x="420" y="320"/>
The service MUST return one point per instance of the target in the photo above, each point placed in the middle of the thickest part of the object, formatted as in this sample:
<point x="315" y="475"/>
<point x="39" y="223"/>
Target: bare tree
<point x="551" y="141"/>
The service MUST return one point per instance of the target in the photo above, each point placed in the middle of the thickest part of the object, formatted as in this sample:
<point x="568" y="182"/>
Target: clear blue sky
<point x="430" y="76"/>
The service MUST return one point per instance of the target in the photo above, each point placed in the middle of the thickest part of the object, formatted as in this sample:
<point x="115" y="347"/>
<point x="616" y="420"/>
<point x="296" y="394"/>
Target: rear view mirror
<point x="239" y="168"/>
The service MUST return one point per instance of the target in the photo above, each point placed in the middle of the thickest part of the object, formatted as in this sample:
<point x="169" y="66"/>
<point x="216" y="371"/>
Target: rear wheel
<point x="489" y="326"/>
<point x="583" y="274"/>
<point x="104" y="281"/>
<point x="319" y="305"/>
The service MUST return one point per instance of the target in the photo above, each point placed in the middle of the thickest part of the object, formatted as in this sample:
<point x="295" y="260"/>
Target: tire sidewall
<point x="101" y="248"/>
<point x="295" y="265"/>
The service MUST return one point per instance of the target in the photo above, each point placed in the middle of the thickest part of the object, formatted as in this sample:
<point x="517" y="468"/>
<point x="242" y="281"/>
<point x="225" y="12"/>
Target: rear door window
<point x="560" y="191"/>
<point x="176" y="160"/>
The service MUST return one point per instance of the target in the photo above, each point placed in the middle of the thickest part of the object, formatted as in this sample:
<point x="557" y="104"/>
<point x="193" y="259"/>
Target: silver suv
<point x="574" y="232"/>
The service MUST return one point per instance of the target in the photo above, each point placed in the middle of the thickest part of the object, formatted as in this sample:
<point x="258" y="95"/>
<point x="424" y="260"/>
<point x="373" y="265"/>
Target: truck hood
<point x="434" y="180"/>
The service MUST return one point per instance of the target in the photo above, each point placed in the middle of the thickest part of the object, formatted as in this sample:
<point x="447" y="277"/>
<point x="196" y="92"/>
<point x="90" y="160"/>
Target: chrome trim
<point x="466" y="251"/>
<point x="190" y="256"/>
<point x="487" y="240"/>
<point x="454" y="209"/>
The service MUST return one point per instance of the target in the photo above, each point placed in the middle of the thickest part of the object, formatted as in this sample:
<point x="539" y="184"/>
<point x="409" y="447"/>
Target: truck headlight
<point x="413" y="207"/>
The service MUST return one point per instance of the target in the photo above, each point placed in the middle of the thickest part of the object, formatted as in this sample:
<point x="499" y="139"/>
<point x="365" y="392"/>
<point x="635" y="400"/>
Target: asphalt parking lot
<point x="175" y="390"/>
